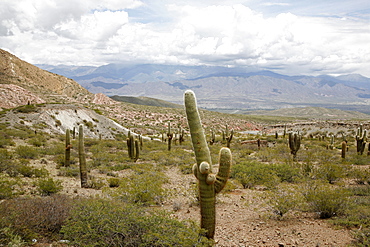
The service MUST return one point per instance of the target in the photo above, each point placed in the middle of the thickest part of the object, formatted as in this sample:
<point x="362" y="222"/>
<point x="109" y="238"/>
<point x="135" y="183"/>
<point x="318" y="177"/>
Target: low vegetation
<point x="122" y="205"/>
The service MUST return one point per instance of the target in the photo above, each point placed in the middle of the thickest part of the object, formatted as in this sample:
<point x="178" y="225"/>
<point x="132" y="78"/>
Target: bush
<point x="142" y="188"/>
<point x="112" y="223"/>
<point x="251" y="174"/>
<point x="113" y="182"/>
<point x="7" y="188"/>
<point x="35" y="217"/>
<point x="26" y="152"/>
<point x="48" y="186"/>
<point x="283" y="199"/>
<point x="326" y="200"/>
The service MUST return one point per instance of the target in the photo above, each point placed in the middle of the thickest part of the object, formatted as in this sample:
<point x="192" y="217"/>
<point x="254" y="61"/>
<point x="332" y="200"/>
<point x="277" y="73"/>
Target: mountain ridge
<point x="236" y="88"/>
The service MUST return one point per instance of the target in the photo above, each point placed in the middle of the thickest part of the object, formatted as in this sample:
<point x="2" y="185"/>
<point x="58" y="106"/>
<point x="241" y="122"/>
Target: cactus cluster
<point x="360" y="140"/>
<point x="133" y="147"/>
<point x="209" y="184"/>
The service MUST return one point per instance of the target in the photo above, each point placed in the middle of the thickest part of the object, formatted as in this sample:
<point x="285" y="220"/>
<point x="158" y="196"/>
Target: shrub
<point x="37" y="141"/>
<point x="330" y="172"/>
<point x="283" y="199"/>
<point x="142" y="188"/>
<point x="5" y="140"/>
<point x="7" y="187"/>
<point x="251" y="174"/>
<point x="113" y="182"/>
<point x="325" y="199"/>
<point x="35" y="217"/>
<point x="48" y="186"/>
<point x="112" y="223"/>
<point x="26" y="152"/>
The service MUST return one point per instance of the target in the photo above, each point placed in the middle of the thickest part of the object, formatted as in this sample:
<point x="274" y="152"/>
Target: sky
<point x="290" y="37"/>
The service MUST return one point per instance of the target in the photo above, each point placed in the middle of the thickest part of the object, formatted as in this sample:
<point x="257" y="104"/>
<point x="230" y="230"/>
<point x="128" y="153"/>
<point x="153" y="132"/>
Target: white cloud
<point x="98" y="32"/>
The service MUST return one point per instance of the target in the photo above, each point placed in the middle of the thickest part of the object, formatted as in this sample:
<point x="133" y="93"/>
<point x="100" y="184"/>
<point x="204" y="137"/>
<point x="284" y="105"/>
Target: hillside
<point x="145" y="101"/>
<point x="311" y="113"/>
<point x="22" y="83"/>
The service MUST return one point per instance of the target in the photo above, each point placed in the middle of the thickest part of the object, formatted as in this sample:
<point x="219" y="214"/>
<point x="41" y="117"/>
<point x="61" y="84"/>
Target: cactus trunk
<point x="67" y="160"/>
<point x="209" y="184"/>
<point x="82" y="158"/>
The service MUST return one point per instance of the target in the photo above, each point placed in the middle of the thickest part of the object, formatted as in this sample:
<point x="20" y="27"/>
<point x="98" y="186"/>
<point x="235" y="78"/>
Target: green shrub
<point x="283" y="199"/>
<point x="35" y="217"/>
<point x="330" y="172"/>
<point x="113" y="182"/>
<point x="37" y="141"/>
<point x="251" y="174"/>
<point x="5" y="140"/>
<point x="142" y="188"/>
<point x="7" y="188"/>
<point x="112" y="223"/>
<point x="27" y="152"/>
<point x="48" y="186"/>
<point x="254" y="173"/>
<point x="326" y="200"/>
<point x="26" y="109"/>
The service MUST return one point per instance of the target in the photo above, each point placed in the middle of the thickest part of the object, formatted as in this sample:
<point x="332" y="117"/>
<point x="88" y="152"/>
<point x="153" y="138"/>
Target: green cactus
<point x="181" y="136"/>
<point x="209" y="184"/>
<point x="133" y="148"/>
<point x="82" y="158"/>
<point x="169" y="136"/>
<point x="360" y="140"/>
<point x="213" y="137"/>
<point x="229" y="136"/>
<point x="344" y="147"/>
<point x="294" y="144"/>
<point x="67" y="160"/>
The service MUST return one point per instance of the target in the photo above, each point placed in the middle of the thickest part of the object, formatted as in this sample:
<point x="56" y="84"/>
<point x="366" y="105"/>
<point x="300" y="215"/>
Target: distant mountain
<point x="223" y="88"/>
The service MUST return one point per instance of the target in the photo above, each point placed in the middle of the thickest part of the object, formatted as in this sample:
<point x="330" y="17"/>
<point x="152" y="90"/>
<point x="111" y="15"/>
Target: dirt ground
<point x="243" y="220"/>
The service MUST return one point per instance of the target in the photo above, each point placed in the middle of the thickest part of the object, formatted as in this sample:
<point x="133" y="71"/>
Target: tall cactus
<point x="209" y="184"/>
<point x="82" y="158"/>
<point x="344" y="147"/>
<point x="67" y="160"/>
<point x="169" y="136"/>
<point x="294" y="144"/>
<point x="229" y="136"/>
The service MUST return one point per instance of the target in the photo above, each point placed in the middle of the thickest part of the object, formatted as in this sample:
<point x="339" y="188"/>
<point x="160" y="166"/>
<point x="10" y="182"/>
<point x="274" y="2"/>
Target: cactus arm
<point x="223" y="174"/>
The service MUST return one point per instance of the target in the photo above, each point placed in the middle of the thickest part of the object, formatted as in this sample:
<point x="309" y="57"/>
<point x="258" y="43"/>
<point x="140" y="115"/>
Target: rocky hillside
<point x="22" y="83"/>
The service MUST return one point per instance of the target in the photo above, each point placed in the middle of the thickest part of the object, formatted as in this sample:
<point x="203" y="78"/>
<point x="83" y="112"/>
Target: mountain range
<point x="222" y="88"/>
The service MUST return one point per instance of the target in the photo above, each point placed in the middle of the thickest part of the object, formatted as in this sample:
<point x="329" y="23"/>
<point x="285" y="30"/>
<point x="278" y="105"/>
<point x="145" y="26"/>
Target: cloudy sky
<point x="288" y="36"/>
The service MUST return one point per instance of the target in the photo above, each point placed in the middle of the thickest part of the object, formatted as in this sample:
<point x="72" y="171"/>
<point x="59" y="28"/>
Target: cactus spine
<point x="67" y="160"/>
<point x="209" y="184"/>
<point x="82" y="158"/>
<point x="294" y="144"/>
